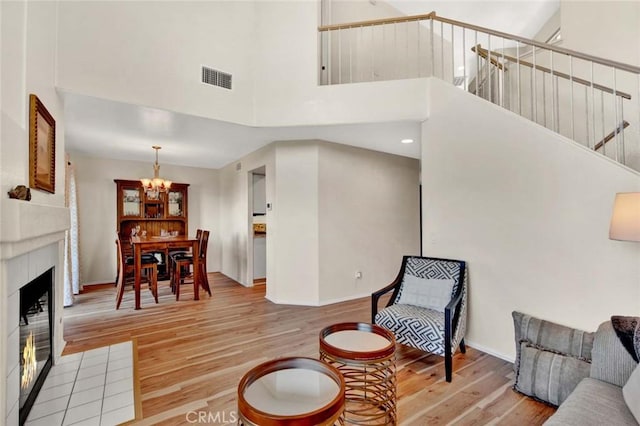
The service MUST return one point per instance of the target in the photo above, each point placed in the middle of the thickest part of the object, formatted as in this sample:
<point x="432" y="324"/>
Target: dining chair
<point x="183" y="267"/>
<point x="126" y="266"/>
<point x="179" y="253"/>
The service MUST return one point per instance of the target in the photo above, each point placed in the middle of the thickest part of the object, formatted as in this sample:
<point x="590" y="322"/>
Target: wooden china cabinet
<point x="166" y="211"/>
<point x="153" y="213"/>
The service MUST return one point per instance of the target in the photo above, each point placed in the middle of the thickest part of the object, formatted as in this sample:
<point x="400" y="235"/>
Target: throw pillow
<point x="426" y="292"/>
<point x="547" y="376"/>
<point x="631" y="393"/>
<point x="551" y="336"/>
<point x="628" y="330"/>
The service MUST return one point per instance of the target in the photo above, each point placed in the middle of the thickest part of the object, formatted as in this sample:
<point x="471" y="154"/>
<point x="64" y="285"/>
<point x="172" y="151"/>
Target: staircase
<point x="591" y="100"/>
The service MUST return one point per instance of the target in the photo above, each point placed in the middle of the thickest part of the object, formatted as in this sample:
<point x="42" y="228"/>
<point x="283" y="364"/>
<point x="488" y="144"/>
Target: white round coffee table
<point x="291" y="391"/>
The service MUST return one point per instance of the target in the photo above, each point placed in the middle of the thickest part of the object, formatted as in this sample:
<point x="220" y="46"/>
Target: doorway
<point x="258" y="231"/>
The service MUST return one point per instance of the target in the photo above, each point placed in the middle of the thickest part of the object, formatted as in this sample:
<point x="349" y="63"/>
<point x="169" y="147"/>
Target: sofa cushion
<point x="611" y="362"/>
<point x="593" y="403"/>
<point x="551" y="336"/>
<point x="548" y="376"/>
<point x="631" y="393"/>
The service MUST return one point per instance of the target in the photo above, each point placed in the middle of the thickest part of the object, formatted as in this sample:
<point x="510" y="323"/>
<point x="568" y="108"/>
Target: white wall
<point x="296" y="233"/>
<point x="236" y="218"/>
<point x="608" y="29"/>
<point x="369" y="217"/>
<point x="27" y="65"/>
<point x="270" y="47"/>
<point x="334" y="208"/>
<point x="529" y="211"/>
<point x="151" y="53"/>
<point x="97" y="210"/>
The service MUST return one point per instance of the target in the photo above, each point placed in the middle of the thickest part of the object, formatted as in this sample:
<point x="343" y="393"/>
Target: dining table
<point x="146" y="244"/>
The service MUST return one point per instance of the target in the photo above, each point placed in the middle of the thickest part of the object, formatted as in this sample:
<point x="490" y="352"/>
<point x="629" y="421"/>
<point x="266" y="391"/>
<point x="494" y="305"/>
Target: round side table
<point x="291" y="392"/>
<point x="365" y="355"/>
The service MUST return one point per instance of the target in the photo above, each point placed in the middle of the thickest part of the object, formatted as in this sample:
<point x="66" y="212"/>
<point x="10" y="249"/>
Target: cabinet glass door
<point x="131" y="202"/>
<point x="176" y="204"/>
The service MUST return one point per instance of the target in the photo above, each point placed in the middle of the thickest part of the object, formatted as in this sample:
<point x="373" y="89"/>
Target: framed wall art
<point x="42" y="147"/>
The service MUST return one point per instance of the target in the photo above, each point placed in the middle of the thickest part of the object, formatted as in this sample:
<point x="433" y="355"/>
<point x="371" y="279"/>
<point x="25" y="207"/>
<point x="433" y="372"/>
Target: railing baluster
<point x="604" y="146"/>
<point x="339" y="56"/>
<point x="464" y="60"/>
<point x="329" y="57"/>
<point x="477" y="65"/>
<point x="544" y="99"/>
<point x="573" y="135"/>
<point x="453" y="48"/>
<point x="553" y="96"/>
<point x="619" y="149"/>
<point x="535" y="88"/>
<point x="433" y="53"/>
<point x="441" y="50"/>
<point x="503" y="75"/>
<point x="489" y="69"/>
<point x="418" y="49"/>
<point x="395" y="51"/>
<point x="350" y="56"/>
<point x="622" y="147"/>
<point x="518" y="67"/>
<point x="373" y="55"/>
<point x="586" y="116"/>
<point x="406" y="64"/>
<point x="593" y="108"/>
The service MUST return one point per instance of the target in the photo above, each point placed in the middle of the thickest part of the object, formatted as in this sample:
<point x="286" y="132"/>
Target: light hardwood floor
<point x="192" y="354"/>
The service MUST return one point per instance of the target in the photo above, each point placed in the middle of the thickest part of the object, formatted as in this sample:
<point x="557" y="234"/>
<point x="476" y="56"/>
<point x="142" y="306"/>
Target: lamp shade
<point x="625" y="219"/>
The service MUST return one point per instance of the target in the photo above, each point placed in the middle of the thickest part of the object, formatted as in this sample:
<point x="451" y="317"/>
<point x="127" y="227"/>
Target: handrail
<point x="433" y="16"/>
<point x="408" y="18"/>
<point x="484" y="53"/>
<point x="611" y="135"/>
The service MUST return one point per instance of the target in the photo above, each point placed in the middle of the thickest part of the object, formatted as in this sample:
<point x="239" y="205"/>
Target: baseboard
<point x="488" y="350"/>
<point x="315" y="303"/>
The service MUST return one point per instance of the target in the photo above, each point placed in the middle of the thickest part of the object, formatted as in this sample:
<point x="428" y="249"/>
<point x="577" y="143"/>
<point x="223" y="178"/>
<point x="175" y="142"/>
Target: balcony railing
<point x="583" y="97"/>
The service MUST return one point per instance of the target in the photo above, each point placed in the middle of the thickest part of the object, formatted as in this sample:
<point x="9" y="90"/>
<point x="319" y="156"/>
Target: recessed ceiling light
<point x="407" y="141"/>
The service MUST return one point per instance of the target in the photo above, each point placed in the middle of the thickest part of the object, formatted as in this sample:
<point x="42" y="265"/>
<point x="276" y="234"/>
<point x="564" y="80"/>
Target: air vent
<point x="216" y="78"/>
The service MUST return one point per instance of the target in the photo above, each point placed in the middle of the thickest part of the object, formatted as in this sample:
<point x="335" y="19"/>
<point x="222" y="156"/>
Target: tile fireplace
<point x="31" y="244"/>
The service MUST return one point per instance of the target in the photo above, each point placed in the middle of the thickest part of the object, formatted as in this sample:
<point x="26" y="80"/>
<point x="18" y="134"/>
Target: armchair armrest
<point x="375" y="297"/>
<point x="452" y="307"/>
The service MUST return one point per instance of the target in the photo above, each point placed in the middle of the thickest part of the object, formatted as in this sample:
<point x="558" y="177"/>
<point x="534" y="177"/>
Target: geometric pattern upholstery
<point x="433" y="269"/>
<point x="414" y="326"/>
<point x="423" y="328"/>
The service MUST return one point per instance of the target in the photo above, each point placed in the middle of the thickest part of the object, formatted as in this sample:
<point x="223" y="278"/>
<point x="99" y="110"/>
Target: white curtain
<point x="71" y="261"/>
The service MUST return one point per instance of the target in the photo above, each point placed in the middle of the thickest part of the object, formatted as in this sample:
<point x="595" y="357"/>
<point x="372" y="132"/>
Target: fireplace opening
<point x="36" y="337"/>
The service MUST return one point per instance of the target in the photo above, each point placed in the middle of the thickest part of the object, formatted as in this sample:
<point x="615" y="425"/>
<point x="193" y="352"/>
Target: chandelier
<point x="156" y="185"/>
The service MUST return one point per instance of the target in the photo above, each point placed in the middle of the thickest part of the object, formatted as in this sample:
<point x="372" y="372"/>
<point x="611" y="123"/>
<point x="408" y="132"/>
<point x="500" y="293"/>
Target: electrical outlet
<point x="358" y="275"/>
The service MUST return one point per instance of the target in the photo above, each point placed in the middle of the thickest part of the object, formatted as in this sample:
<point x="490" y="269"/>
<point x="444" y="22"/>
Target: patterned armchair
<point x="428" y="307"/>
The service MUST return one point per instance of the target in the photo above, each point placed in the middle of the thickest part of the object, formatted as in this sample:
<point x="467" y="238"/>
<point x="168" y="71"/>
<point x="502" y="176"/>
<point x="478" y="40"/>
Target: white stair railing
<point x="580" y="96"/>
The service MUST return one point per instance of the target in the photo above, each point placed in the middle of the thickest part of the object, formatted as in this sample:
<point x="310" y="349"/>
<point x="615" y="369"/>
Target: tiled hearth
<point x="31" y="242"/>
<point x="93" y="388"/>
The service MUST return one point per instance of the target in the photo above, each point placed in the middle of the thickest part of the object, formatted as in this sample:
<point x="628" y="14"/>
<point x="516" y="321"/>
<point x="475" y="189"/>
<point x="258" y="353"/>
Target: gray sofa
<point x="582" y="373"/>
